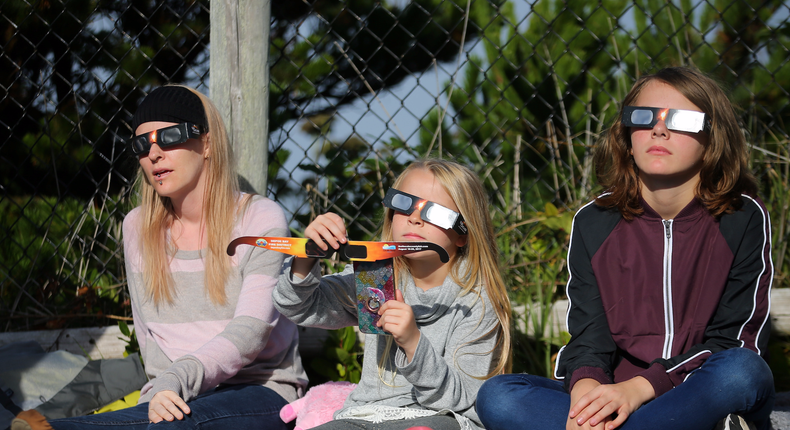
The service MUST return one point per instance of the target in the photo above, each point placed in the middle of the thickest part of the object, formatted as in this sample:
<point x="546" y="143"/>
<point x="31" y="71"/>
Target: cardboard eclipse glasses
<point x="353" y="250"/>
<point x="431" y="212"/>
<point x="688" y="121"/>
<point x="164" y="137"/>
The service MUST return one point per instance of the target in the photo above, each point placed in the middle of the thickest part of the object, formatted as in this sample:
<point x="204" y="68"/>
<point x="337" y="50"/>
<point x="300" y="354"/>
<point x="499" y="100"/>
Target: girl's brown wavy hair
<point x="725" y="173"/>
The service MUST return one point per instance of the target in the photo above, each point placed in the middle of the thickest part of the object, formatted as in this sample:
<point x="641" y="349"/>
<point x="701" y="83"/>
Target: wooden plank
<point x="525" y="321"/>
<point x="780" y="310"/>
<point x="239" y="84"/>
<point x="780" y="315"/>
<point x="108" y="342"/>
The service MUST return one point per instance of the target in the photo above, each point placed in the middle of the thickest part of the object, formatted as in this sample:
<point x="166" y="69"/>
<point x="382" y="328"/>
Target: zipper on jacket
<point x="669" y="322"/>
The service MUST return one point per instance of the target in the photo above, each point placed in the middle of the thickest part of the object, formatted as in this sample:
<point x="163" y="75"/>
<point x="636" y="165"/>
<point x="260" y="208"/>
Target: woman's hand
<point x="326" y="230"/>
<point x="599" y="403"/>
<point x="167" y="406"/>
<point x="398" y="319"/>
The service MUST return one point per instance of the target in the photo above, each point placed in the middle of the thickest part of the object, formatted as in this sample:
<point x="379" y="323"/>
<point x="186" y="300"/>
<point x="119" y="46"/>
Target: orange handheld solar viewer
<point x="374" y="276"/>
<point x="353" y="250"/>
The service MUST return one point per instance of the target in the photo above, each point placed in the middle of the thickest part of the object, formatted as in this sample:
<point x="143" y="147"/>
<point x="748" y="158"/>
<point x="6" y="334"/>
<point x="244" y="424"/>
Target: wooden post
<point x="240" y="82"/>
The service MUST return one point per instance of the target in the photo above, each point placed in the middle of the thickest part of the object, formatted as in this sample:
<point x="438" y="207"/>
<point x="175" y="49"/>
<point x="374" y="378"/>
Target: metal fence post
<point x="240" y="82"/>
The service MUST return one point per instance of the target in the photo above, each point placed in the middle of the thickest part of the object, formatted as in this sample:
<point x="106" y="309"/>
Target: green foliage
<point x="352" y="183"/>
<point x="527" y="101"/>
<point x="533" y="258"/>
<point x="341" y="357"/>
<point x="351" y="48"/>
<point x="779" y="360"/>
<point x="776" y="181"/>
<point x="353" y="44"/>
<point x="132" y="346"/>
<point x="80" y="68"/>
<point x="722" y="38"/>
<point x="69" y="256"/>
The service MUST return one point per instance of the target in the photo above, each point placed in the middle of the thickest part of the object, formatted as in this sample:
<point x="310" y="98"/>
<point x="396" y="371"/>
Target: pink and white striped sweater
<point x="194" y="345"/>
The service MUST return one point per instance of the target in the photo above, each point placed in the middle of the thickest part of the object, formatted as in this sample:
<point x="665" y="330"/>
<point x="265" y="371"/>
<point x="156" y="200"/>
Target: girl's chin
<point x="417" y="256"/>
<point x="423" y="256"/>
<point x="669" y="177"/>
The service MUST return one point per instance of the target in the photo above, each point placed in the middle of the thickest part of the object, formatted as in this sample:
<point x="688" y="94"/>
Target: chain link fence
<point x="71" y="74"/>
<point x="517" y="90"/>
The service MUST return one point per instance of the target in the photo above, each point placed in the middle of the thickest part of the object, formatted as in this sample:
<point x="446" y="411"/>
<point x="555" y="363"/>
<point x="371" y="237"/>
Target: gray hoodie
<point x="456" y="342"/>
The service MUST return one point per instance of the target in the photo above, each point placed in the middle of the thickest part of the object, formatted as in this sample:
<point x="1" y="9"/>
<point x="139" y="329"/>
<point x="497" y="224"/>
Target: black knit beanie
<point x="171" y="104"/>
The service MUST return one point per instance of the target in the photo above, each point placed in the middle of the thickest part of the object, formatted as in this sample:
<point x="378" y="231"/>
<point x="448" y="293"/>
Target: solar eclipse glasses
<point x="431" y="212"/>
<point x="688" y="121"/>
<point x="164" y="137"/>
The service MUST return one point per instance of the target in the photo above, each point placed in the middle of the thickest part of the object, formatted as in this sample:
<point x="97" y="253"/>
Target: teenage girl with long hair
<point x="449" y="323"/>
<point x="215" y="349"/>
<point x="670" y="278"/>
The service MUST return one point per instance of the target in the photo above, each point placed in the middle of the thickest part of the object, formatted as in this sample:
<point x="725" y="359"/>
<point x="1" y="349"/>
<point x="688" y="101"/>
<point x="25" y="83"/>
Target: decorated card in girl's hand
<point x="375" y="285"/>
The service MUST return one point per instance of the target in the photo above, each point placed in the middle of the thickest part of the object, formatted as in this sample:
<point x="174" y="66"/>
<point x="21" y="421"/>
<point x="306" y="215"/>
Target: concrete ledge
<point x="108" y="342"/>
<point x="780" y="315"/>
<point x="95" y="342"/>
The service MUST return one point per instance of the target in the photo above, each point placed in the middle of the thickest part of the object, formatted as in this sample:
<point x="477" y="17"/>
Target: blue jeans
<point x="237" y="407"/>
<point x="732" y="381"/>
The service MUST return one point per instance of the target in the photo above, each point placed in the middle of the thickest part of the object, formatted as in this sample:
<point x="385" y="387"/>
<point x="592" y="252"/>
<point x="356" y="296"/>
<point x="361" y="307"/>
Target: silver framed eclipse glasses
<point x="688" y="121"/>
<point x="431" y="212"/>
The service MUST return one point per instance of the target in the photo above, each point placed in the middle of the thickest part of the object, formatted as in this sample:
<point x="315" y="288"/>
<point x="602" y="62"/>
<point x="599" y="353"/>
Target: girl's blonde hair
<point x="725" y="173"/>
<point x="221" y="206"/>
<point x="480" y="251"/>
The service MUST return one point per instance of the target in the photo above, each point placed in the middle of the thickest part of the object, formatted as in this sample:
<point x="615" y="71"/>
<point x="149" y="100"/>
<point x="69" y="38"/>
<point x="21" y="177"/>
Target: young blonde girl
<point x="449" y="322"/>
<point x="670" y="278"/>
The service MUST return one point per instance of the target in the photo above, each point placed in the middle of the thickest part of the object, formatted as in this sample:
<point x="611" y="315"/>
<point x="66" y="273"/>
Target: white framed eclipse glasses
<point x="688" y="121"/>
<point x="431" y="212"/>
<point x="164" y="137"/>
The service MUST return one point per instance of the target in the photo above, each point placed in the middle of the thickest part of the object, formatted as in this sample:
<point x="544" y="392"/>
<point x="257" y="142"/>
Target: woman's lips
<point x="412" y="236"/>
<point x="161" y="174"/>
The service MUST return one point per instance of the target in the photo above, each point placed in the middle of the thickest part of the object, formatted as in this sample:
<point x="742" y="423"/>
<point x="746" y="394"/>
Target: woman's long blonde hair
<point x="221" y="206"/>
<point x="480" y="251"/>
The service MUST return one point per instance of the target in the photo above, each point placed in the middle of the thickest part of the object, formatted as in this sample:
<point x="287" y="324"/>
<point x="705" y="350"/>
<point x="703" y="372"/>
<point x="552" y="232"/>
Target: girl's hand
<point x="572" y="425"/>
<point x="167" y="405"/>
<point x="580" y="389"/>
<point x="598" y="405"/>
<point x="398" y="319"/>
<point x="328" y="228"/>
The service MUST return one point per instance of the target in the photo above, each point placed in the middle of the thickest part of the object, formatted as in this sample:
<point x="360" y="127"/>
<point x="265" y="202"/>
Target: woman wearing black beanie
<point x="215" y="350"/>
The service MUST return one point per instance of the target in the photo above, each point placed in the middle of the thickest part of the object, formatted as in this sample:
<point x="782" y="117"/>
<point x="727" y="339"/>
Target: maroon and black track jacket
<point x="656" y="298"/>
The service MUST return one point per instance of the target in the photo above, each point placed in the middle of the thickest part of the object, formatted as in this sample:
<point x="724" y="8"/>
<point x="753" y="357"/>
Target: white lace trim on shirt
<point x="378" y="414"/>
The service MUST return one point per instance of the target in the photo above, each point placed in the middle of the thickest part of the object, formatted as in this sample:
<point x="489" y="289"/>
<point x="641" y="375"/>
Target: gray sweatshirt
<point x="456" y="342"/>
<point x="193" y="344"/>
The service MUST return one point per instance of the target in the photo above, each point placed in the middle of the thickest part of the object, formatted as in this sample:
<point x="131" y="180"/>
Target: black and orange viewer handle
<point x="354" y="250"/>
